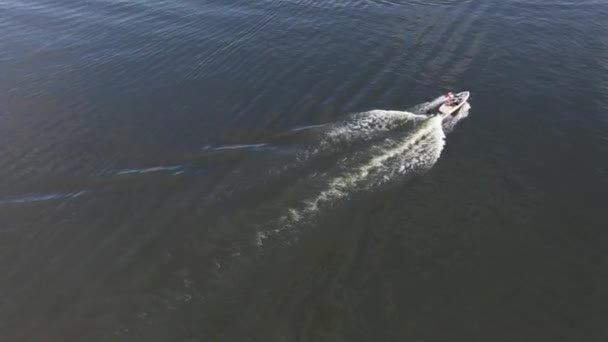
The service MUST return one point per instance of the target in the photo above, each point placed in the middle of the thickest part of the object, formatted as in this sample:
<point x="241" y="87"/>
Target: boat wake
<point x="44" y="197"/>
<point x="173" y="170"/>
<point x="294" y="177"/>
<point x="361" y="153"/>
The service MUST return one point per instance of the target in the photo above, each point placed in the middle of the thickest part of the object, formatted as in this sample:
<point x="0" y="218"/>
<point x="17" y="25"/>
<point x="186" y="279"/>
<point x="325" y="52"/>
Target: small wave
<point x="450" y="123"/>
<point x="175" y="170"/>
<point x="307" y="127"/>
<point x="33" y="198"/>
<point x="238" y="147"/>
<point x="423" y="3"/>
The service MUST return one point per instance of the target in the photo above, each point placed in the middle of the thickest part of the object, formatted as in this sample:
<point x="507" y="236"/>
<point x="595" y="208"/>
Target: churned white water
<point x="370" y="149"/>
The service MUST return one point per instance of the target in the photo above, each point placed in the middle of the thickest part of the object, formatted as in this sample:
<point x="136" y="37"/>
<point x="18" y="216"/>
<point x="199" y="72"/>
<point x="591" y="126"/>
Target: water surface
<point x="197" y="170"/>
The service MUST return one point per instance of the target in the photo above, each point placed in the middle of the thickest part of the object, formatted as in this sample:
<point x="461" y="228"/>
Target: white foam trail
<point x="368" y="125"/>
<point x="408" y="153"/>
<point x="371" y="149"/>
<point x="175" y="168"/>
<point x="416" y="152"/>
<point x="359" y="127"/>
<point x="33" y="198"/>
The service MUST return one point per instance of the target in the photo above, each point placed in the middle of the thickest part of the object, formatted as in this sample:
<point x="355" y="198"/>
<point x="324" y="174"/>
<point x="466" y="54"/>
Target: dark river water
<point x="232" y="170"/>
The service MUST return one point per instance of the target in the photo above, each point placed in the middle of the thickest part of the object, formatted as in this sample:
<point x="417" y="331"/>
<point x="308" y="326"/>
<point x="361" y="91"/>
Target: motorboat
<point x="453" y="102"/>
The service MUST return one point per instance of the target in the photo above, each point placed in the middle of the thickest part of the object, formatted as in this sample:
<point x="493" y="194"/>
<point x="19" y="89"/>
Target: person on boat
<point x="452" y="100"/>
